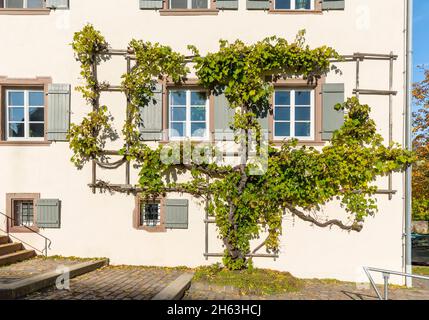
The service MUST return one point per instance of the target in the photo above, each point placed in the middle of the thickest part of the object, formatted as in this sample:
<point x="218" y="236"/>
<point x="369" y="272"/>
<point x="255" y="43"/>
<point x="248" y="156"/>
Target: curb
<point x="25" y="286"/>
<point x="176" y="289"/>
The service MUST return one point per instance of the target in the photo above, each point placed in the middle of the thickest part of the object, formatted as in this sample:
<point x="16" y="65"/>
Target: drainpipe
<point x="408" y="138"/>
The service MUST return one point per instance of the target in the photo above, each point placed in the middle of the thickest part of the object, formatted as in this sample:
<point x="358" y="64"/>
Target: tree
<point x="243" y="199"/>
<point x="421" y="147"/>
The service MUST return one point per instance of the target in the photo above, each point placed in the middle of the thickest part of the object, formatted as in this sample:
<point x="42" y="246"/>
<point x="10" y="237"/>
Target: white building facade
<point x="40" y="188"/>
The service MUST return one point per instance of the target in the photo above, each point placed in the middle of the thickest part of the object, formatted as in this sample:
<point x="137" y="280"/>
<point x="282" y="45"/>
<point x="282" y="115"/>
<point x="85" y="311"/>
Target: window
<point x="25" y="115"/>
<point x="294" y="114"/>
<point x="188" y="115"/>
<point x="21" y="208"/>
<point x="23" y="213"/>
<point x="189" y="4"/>
<point x="150" y="213"/>
<point x="294" y="5"/>
<point x="22" y="4"/>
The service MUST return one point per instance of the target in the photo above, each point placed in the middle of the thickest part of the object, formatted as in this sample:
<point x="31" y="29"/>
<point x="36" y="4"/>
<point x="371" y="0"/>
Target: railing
<point x="386" y="275"/>
<point x="48" y="242"/>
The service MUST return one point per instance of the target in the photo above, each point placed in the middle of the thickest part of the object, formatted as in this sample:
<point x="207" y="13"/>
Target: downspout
<point x="408" y="138"/>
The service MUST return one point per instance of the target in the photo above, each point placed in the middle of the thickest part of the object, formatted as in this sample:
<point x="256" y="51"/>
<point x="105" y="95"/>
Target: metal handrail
<point x="386" y="276"/>
<point x="48" y="242"/>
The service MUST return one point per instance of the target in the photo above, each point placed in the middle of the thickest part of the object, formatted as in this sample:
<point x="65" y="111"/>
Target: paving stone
<point x="113" y="283"/>
<point x="312" y="290"/>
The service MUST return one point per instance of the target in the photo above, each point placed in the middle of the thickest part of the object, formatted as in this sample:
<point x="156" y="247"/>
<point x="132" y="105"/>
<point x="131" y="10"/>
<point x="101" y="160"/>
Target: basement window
<point x="21" y="209"/>
<point x="150" y="213"/>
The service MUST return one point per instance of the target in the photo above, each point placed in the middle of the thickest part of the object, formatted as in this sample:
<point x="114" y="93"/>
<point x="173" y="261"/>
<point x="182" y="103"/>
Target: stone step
<point x="10" y="248"/>
<point x="16" y="257"/>
<point x="4" y="239"/>
<point x="26" y="286"/>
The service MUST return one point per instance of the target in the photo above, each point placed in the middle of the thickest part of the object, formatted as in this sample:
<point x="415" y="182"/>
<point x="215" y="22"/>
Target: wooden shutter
<point x="58" y="112"/>
<point x="151" y="128"/>
<point x="223" y="116"/>
<point x="151" y="4"/>
<point x="176" y="213"/>
<point x="333" y="93"/>
<point x="257" y="4"/>
<point x="57" y="4"/>
<point x="227" y="4"/>
<point x="333" y="4"/>
<point x="48" y="213"/>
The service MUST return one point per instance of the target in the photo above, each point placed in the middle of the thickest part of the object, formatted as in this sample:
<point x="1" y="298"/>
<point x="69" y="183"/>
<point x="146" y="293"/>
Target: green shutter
<point x="223" y="117"/>
<point x="257" y="4"/>
<point x="176" y="213"/>
<point x="48" y="213"/>
<point x="58" y="112"/>
<point x="151" y="128"/>
<point x="333" y="4"/>
<point x="333" y="93"/>
<point x="151" y="4"/>
<point x="57" y="4"/>
<point x="227" y="4"/>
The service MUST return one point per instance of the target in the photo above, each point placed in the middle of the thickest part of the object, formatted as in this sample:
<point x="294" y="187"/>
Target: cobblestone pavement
<point x="113" y="283"/>
<point x="313" y="290"/>
<point x="29" y="268"/>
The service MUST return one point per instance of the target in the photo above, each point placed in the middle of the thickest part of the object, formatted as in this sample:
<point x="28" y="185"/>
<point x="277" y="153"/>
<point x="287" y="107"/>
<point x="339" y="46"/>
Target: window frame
<point x="292" y="120"/>
<point x="26" y="121"/>
<point x="315" y="5"/>
<point x="25" y="10"/>
<point x="137" y="221"/>
<point x="10" y="211"/>
<point x="38" y="84"/>
<point x="24" y="5"/>
<point x="300" y="84"/>
<point x="188" y="120"/>
<point x="168" y="11"/>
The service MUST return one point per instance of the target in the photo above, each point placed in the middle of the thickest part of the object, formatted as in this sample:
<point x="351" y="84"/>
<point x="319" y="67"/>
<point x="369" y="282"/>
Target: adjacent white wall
<point x="101" y="225"/>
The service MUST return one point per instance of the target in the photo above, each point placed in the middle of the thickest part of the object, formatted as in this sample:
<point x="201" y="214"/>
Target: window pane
<point x="14" y="3"/>
<point x="302" y="113"/>
<point x="282" y="98"/>
<point x="282" y="129"/>
<point x="16" y="130"/>
<point x="37" y="130"/>
<point x="35" y="3"/>
<point x="303" y="4"/>
<point x="198" y="129"/>
<point x="16" y="114"/>
<point x="282" y="4"/>
<point x="23" y="213"/>
<point x="178" y="98"/>
<point x="150" y="214"/>
<point x="37" y="114"/>
<point x="302" y="129"/>
<point x="36" y="99"/>
<point x="198" y="114"/>
<point x="282" y="113"/>
<point x="198" y="98"/>
<point x="178" y="129"/>
<point x="178" y="113"/>
<point x="199" y="4"/>
<point x="302" y="98"/>
<point x="16" y="98"/>
<point x="1" y="3"/>
<point x="178" y="4"/>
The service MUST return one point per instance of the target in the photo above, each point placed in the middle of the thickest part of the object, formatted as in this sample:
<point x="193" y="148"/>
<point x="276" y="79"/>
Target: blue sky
<point x="421" y="36"/>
